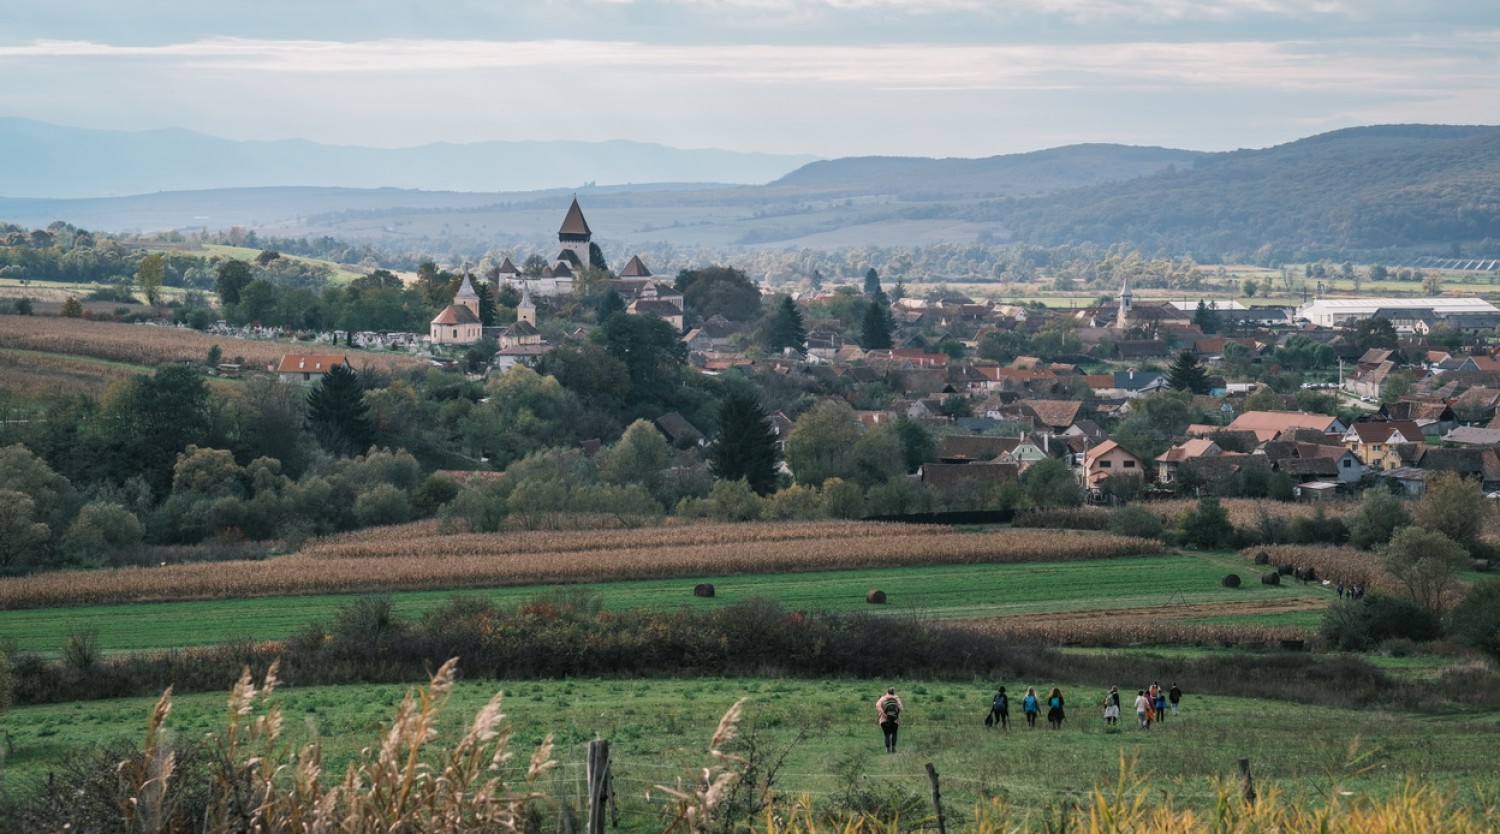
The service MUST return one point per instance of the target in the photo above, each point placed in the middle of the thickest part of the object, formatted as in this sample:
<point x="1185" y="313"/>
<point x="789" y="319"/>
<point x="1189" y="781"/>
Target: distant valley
<point x="1409" y="188"/>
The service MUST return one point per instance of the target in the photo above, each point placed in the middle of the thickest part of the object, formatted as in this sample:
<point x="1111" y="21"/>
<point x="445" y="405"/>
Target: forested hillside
<point x="1357" y="189"/>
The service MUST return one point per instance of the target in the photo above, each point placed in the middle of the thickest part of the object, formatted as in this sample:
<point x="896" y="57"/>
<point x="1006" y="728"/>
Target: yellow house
<point x="1377" y="445"/>
<point x="1107" y="460"/>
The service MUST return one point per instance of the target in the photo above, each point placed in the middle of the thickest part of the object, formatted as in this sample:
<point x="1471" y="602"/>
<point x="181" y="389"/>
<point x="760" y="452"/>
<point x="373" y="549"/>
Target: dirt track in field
<point x="1186" y="611"/>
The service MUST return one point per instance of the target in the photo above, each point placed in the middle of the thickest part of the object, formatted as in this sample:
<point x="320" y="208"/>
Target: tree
<point x="1425" y="563"/>
<point x="231" y="276"/>
<point x="1188" y="374"/>
<point x="818" y="447"/>
<point x="1206" y="318"/>
<point x="337" y="413"/>
<point x="1374" y="333"/>
<point x="638" y="457"/>
<point x="718" y="291"/>
<point x="72" y="308"/>
<point x="1250" y="287"/>
<point x="609" y="304"/>
<point x="149" y="275"/>
<point x="1455" y="507"/>
<point x="785" y="329"/>
<point x="266" y="256"/>
<point x="486" y="296"/>
<point x="147" y="420"/>
<point x="875" y="329"/>
<point x="1050" y="483"/>
<point x="1207" y="525"/>
<point x="100" y="529"/>
<point x="653" y="355"/>
<point x="872" y="282"/>
<point x="22" y="535"/>
<point x="747" y="447"/>
<point x="918" y="445"/>
<point x="1397" y="385"/>
<point x="1432" y="285"/>
<point x="596" y="258"/>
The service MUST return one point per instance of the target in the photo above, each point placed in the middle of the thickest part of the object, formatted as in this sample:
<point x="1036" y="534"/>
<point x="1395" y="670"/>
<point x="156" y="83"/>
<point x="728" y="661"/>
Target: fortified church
<point x="459" y="324"/>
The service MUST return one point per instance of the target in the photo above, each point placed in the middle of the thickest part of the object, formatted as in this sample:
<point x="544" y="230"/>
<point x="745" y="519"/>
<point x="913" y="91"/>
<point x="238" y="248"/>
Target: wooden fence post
<point x="1247" y="785"/>
<point x="598" y="778"/>
<point x="937" y="798"/>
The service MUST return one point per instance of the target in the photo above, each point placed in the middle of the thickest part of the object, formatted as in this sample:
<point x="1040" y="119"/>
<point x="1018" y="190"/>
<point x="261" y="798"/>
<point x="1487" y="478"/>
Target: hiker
<point x="1055" y="714"/>
<point x="1159" y="703"/>
<point x="1174" y="695"/>
<point x="1112" y="706"/>
<point x="1143" y="709"/>
<point x="888" y="714"/>
<point x="999" y="711"/>
<point x="1031" y="706"/>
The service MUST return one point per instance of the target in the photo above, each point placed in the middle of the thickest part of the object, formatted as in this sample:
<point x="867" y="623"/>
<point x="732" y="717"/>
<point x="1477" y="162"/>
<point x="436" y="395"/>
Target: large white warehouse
<point x="1407" y="314"/>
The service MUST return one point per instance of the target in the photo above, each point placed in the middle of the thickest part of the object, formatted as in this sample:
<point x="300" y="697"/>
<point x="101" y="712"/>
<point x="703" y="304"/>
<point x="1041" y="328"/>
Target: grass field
<point x="1162" y="585"/>
<point x="659" y="732"/>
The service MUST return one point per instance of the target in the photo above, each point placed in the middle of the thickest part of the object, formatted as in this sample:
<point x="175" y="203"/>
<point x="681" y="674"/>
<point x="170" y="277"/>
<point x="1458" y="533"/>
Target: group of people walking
<point x="1151" y="706"/>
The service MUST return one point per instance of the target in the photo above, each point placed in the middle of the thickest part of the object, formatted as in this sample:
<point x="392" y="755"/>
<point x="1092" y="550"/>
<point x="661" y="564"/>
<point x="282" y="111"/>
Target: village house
<point x="1106" y="460"/>
<point x="1374" y="443"/>
<point x="308" y="368"/>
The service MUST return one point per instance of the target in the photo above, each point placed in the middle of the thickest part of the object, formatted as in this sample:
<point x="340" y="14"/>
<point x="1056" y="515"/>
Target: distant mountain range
<point x="1395" y="187"/>
<point x="78" y="162"/>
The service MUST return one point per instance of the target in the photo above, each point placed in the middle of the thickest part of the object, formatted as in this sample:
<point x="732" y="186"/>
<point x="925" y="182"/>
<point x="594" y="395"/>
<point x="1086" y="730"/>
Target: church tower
<point x="466" y="296"/>
<point x="574" y="236"/>
<point x="1122" y="320"/>
<point x="526" y="310"/>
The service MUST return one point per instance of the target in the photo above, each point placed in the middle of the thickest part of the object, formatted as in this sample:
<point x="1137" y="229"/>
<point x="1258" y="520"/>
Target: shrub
<point x="1359" y="625"/>
<point x="1135" y="521"/>
<point x="1066" y="518"/>
<point x="1476" y="619"/>
<point x="1207" y="525"/>
<point x="1379" y="515"/>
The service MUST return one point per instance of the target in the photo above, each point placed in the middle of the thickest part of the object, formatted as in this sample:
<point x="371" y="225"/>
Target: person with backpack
<point x="1159" y="702"/>
<point x="1055" y="714"/>
<point x="999" y="711"/>
<point x="1031" y="707"/>
<point x="1143" y="709"/>
<point x="888" y="713"/>
<point x="1112" y="706"/>
<point x="1174" y="695"/>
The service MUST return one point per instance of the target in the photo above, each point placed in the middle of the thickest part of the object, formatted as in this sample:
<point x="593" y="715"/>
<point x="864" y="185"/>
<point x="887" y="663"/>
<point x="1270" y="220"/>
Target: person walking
<point x="1159" y="702"/>
<point x="999" y="710"/>
<point x="1142" y="709"/>
<point x="1112" y="706"/>
<point x="888" y="714"/>
<point x="1031" y="706"/>
<point x="1055" y="714"/>
<point x="1174" y="695"/>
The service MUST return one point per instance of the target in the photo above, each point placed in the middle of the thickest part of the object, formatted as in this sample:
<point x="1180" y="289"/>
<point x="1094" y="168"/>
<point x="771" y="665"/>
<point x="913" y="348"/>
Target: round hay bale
<point x="1231" y="581"/>
<point x="1307" y="574"/>
<point x="1272" y="578"/>
<point x="1262" y="558"/>
<point x="875" y="597"/>
<point x="703" y="589"/>
<point x="1482" y="565"/>
<point x="1284" y="569"/>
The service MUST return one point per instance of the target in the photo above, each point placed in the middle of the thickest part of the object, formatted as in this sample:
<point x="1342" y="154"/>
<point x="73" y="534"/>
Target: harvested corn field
<point x="372" y="562"/>
<point x="147" y="345"/>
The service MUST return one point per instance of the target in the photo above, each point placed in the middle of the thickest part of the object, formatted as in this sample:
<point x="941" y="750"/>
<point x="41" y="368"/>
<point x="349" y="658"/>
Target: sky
<point x="969" y="78"/>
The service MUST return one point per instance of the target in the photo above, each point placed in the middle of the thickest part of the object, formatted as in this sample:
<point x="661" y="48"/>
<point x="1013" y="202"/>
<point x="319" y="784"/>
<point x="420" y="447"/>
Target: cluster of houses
<point x="997" y="419"/>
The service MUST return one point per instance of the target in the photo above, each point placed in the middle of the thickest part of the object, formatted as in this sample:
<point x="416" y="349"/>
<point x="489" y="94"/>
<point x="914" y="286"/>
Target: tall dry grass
<point x="371" y="563"/>
<point x="1246" y="513"/>
<point x="1111" y="631"/>
<point x="405" y="782"/>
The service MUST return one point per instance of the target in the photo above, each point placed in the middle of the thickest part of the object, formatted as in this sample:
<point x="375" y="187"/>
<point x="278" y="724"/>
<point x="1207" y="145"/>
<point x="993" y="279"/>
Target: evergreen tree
<point x="1207" y="318"/>
<point x="785" y="329"/>
<point x="872" y="281"/>
<point x="597" y="259"/>
<point x="486" y="303"/>
<point x="337" y="413"/>
<point x="875" y="328"/>
<point x="1188" y="374"/>
<point x="747" y="446"/>
<point x="609" y="304"/>
<point x="898" y="292"/>
<point x="232" y="276"/>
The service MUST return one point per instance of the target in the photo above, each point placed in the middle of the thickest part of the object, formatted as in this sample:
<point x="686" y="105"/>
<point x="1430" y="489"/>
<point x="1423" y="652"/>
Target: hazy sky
<point x="830" y="77"/>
